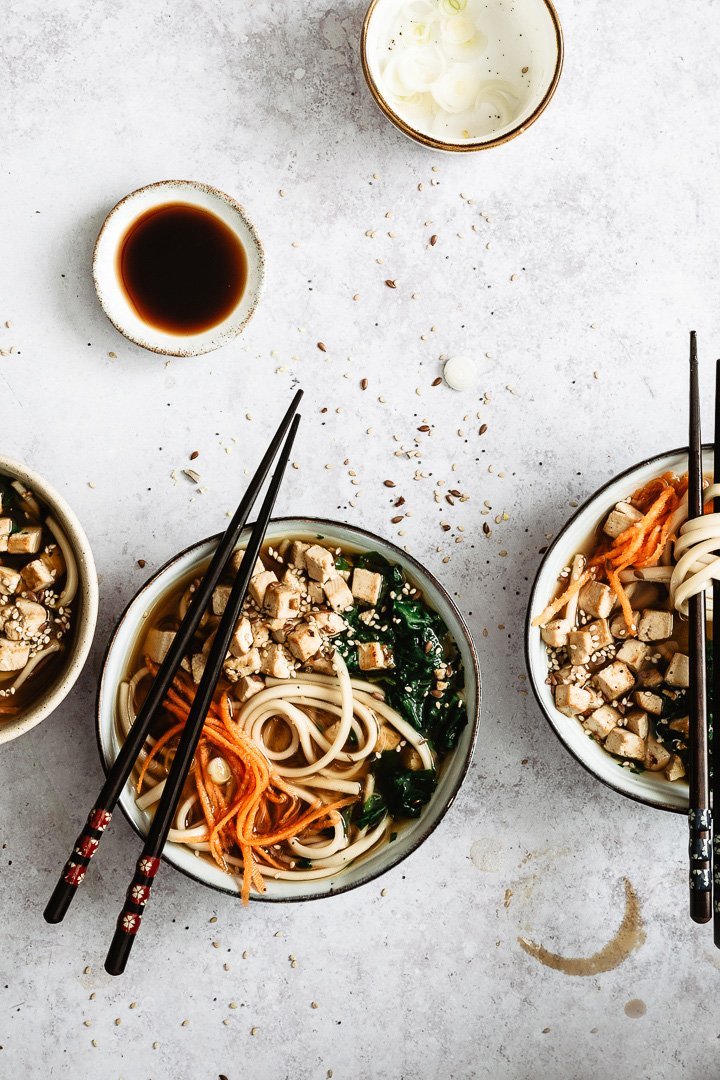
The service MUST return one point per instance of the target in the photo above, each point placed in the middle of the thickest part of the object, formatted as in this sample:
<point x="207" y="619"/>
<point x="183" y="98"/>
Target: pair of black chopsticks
<point x="704" y="813"/>
<point x="140" y="887"/>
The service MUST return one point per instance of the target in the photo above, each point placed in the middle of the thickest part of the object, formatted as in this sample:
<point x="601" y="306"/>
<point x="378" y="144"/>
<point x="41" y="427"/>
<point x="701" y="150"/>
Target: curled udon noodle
<point x="697" y="562"/>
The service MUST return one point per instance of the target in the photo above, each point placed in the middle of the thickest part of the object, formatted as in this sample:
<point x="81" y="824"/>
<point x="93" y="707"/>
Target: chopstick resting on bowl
<point x="715" y="691"/>
<point x="699" y="814"/>
<point x="140" y="887"/>
<point x="98" y="820"/>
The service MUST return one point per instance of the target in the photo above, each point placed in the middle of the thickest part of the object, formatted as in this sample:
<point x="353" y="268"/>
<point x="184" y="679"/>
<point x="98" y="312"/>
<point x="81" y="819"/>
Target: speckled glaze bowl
<point x="121" y="647"/>
<point x="542" y="31"/>
<point x="113" y="298"/>
<point x="85" y="604"/>
<point x="649" y="788"/>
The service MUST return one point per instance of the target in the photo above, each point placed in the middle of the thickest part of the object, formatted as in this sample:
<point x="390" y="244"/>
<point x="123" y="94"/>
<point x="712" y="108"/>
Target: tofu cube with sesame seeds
<point x="656" y="755"/>
<point x="648" y="701"/>
<point x="622" y="517"/>
<point x="157" y="643"/>
<point x="36" y="576"/>
<point x="678" y="672"/>
<point x="319" y="563"/>
<point x="373" y="655"/>
<point x="388" y="739"/>
<point x="9" y="580"/>
<point x="649" y="678"/>
<point x="14" y="655"/>
<point x="625" y="745"/>
<point x="675" y="770"/>
<point x="260" y="633"/>
<point x="242" y="640"/>
<point x="25" y="541"/>
<point x="275" y="661"/>
<point x="633" y="653"/>
<point x="315" y="592"/>
<point x="322" y="665"/>
<point x="32" y="617"/>
<point x="304" y="641"/>
<point x="366" y="585"/>
<point x="614" y="680"/>
<point x="294" y="580"/>
<point x="237" y="557"/>
<point x="602" y="721"/>
<point x="246" y="687"/>
<point x="654" y="625"/>
<point x="338" y="595"/>
<point x="682" y="724"/>
<point x="328" y="623"/>
<point x="5" y="527"/>
<point x="259" y="584"/>
<point x="197" y="666"/>
<point x="579" y="646"/>
<point x="238" y="667"/>
<point x="555" y="633"/>
<point x="599" y="631"/>
<point x="220" y="597"/>
<point x="571" y="700"/>
<point x="295" y="554"/>
<point x="618" y="626"/>
<point x="637" y="721"/>
<point x="280" y="601"/>
<point x="596" y="599"/>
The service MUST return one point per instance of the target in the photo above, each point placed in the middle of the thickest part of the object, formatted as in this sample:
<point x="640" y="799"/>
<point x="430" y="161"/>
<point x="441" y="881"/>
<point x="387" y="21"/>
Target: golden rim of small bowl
<point x="461" y="148"/>
<point x="226" y="335"/>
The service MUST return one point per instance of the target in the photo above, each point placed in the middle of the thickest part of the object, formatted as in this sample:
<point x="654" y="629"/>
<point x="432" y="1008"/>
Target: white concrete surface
<point x="597" y="253"/>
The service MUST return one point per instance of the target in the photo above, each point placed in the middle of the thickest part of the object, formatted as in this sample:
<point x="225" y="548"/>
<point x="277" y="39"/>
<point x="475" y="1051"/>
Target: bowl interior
<point x="112" y="295"/>
<point x="647" y="787"/>
<point x="525" y="34"/>
<point x="85" y="604"/>
<point x="409" y="837"/>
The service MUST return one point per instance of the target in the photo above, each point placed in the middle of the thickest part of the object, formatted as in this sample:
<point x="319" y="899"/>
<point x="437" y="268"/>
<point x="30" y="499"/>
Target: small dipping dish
<point x="462" y="75"/>
<point x="178" y="267"/>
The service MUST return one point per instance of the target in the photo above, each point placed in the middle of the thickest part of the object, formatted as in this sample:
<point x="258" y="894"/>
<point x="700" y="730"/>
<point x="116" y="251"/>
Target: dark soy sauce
<point x="183" y="269"/>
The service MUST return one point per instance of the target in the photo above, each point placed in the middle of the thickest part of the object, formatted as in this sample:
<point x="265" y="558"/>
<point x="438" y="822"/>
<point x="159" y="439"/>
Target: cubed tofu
<point x="682" y="724"/>
<point x="237" y="557"/>
<point x="293" y="580"/>
<point x="295" y="554"/>
<point x="321" y="664"/>
<point x="5" y="527"/>
<point x="572" y="700"/>
<point x="675" y="770"/>
<point x="555" y="633"/>
<point x="280" y="601"/>
<point x="366" y="585"/>
<point x="637" y="721"/>
<point x="625" y="745"/>
<point x="388" y="739"/>
<point x="656" y="755"/>
<point x="197" y="666"/>
<point x="654" y="625"/>
<point x="246" y="687"/>
<point x="620" y="519"/>
<point x="666" y="649"/>
<point x="274" y="661"/>
<point x="338" y="595"/>
<point x="315" y="592"/>
<point x="648" y="701"/>
<point x="52" y="557"/>
<point x="319" y="563"/>
<point x="260" y="633"/>
<point x="25" y="541"/>
<point x="614" y="680"/>
<point x="678" y="672"/>
<point x="304" y="641"/>
<point x="220" y="597"/>
<point x="597" y="599"/>
<point x="238" y="667"/>
<point x="157" y="643"/>
<point x="259" y="584"/>
<point x="9" y="580"/>
<point x="33" y="616"/>
<point x="14" y="655"/>
<point x="37" y="576"/>
<point x="328" y="623"/>
<point x="632" y="652"/>
<point x="579" y="646"/>
<point x="649" y="678"/>
<point x="242" y="640"/>
<point x="599" y="631"/>
<point x="373" y="655"/>
<point x="618" y="626"/>
<point x="602" y="721"/>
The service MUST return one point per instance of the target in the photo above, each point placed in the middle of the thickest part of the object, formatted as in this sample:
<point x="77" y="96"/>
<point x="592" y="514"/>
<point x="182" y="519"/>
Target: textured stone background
<point x="608" y="213"/>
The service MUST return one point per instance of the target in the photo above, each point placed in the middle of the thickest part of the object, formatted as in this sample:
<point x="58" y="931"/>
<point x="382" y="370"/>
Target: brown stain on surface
<point x="629" y="937"/>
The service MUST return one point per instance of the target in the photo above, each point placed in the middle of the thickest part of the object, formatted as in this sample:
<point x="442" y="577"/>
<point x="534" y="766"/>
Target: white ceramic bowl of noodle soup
<point x="453" y="770"/>
<point x="84" y="605"/>
<point x="649" y="788"/>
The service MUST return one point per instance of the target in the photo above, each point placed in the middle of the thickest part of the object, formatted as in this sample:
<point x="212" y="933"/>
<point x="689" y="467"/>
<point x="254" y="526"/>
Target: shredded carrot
<point x="561" y="600"/>
<point x="154" y="751"/>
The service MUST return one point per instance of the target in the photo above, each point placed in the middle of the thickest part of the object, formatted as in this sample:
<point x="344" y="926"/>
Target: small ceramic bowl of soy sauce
<point x="178" y="267"/>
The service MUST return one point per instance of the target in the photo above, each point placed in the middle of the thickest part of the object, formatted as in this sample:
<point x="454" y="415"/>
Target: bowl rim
<point x="88" y="589"/>
<point x="530" y="630"/>
<point x="214" y="342"/>
<point x="424" y="832"/>
<point x="462" y="148"/>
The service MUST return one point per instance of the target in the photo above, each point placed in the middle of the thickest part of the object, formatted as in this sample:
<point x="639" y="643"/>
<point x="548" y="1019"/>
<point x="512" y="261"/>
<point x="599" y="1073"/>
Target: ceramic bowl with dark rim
<point x="84" y="606"/>
<point x="114" y="298"/>
<point x="649" y="788"/>
<point x="117" y="661"/>
<point x="529" y="27"/>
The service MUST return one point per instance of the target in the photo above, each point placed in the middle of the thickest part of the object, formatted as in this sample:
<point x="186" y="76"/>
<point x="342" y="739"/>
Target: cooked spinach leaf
<point x="373" y="811"/>
<point x="405" y="791"/>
